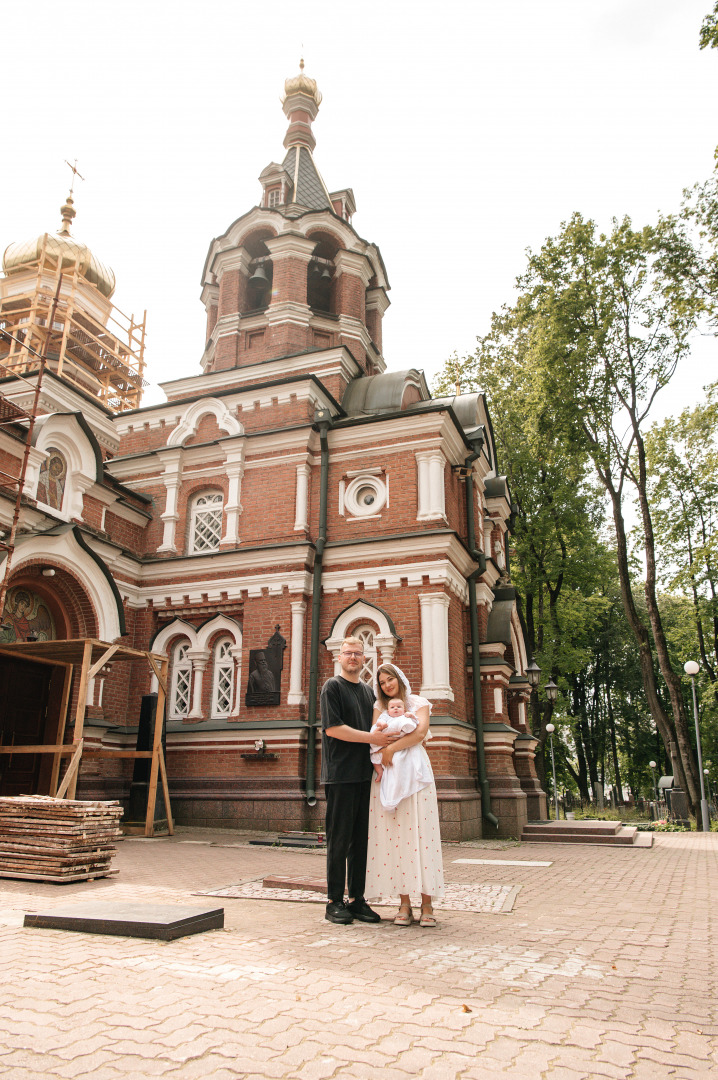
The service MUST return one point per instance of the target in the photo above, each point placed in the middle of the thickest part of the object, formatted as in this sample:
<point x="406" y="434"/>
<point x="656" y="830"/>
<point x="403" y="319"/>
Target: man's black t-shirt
<point x="344" y="702"/>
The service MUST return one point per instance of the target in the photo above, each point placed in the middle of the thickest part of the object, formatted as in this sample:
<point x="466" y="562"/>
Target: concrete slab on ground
<point x="163" y="922"/>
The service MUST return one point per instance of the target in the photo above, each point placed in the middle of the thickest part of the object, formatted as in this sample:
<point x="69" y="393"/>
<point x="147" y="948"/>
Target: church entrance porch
<point x="30" y="713"/>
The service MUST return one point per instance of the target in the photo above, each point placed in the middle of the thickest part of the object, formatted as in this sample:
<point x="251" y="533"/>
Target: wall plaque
<point x="264" y="682"/>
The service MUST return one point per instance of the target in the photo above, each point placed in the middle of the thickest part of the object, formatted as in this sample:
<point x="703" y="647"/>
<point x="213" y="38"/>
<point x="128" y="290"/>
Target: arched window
<point x="181" y="681"/>
<point x="205" y="528"/>
<point x="223" y="680"/>
<point x="51" y="483"/>
<point x="321" y="274"/>
<point x="367" y="633"/>
<point x="373" y="626"/>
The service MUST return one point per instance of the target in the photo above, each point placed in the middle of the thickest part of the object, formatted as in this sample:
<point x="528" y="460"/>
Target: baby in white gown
<point x="410" y="770"/>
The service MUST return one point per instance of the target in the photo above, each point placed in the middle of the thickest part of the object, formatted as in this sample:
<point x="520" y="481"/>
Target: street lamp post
<point x="691" y="668"/>
<point x="655" y="789"/>
<point x="533" y="674"/>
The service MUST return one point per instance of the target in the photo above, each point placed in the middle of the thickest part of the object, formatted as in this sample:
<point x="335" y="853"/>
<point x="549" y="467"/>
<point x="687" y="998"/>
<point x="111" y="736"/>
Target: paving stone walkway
<point x="605" y="966"/>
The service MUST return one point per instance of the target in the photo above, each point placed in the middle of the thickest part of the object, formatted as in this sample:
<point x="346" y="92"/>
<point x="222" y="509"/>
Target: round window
<point x="365" y="496"/>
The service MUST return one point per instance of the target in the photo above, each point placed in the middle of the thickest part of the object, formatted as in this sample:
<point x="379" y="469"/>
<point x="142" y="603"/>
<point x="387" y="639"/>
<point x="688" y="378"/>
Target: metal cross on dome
<point x="74" y="174"/>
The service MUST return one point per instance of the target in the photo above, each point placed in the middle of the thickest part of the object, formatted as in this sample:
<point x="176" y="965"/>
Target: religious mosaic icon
<point x="26" y="616"/>
<point x="265" y="672"/>
<point x="51" y="483"/>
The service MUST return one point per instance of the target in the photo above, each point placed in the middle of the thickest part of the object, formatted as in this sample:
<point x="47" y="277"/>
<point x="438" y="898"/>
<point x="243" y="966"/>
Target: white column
<point x="430" y="485"/>
<point x="100" y="679"/>
<point x="386" y="644"/>
<point x="488" y="530"/>
<point x="236" y="654"/>
<point x="434" y="609"/>
<point x="301" y="512"/>
<point x="172" y="478"/>
<point x="498" y="701"/>
<point x="295" y="695"/>
<point x="199" y="660"/>
<point x="436" y="484"/>
<point x="422" y="486"/>
<point x="234" y="468"/>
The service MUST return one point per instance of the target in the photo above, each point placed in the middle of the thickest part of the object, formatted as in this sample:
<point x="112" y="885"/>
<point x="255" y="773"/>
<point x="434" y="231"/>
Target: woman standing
<point x="405" y="847"/>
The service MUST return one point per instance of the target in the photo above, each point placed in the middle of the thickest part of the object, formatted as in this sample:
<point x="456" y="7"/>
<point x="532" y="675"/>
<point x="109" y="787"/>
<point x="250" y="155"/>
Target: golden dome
<point x="64" y="252"/>
<point x="302" y="84"/>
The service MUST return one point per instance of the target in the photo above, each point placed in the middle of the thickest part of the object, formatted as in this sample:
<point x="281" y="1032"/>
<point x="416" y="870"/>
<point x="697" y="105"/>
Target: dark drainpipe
<point x="324" y="422"/>
<point x="480" y="558"/>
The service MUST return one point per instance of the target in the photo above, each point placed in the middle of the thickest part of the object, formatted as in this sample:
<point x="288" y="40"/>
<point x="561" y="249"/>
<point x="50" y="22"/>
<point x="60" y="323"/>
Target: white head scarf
<point x="401" y="675"/>
<point x="405" y="681"/>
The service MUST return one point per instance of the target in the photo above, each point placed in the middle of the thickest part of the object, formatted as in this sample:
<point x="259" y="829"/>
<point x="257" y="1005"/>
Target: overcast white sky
<point x="468" y="130"/>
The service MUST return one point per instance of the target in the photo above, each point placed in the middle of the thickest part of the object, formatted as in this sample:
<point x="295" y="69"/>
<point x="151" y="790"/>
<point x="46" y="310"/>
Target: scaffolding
<point x="13" y="484"/>
<point x="49" y="308"/>
<point x="90" y="656"/>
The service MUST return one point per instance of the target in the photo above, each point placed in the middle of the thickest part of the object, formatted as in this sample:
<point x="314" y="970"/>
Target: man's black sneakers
<point x="339" y="913"/>
<point x="361" y="911"/>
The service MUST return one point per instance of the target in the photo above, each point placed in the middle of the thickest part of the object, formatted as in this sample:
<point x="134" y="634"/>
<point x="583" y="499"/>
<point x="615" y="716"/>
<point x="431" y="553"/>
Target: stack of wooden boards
<point x="57" y="840"/>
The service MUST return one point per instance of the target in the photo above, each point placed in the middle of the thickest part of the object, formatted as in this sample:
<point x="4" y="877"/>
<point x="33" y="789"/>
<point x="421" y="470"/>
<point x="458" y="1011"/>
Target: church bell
<point x="259" y="277"/>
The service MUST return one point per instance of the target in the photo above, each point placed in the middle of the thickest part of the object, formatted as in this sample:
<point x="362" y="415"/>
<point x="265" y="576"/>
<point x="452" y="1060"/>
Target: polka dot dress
<point x="405" y="847"/>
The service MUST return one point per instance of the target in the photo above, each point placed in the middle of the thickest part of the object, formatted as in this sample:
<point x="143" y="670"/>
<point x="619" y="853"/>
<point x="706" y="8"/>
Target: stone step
<point x="574" y="828"/>
<point x="585" y="832"/>
<point x="305" y="884"/>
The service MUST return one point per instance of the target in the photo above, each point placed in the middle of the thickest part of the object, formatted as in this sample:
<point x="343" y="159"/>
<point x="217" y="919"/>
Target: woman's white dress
<point x="405" y="847"/>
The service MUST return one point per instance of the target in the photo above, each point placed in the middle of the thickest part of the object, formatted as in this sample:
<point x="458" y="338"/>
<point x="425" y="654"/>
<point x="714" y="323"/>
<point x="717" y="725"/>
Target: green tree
<point x="709" y="30"/>
<point x="687" y="252"/>
<point x="557" y="561"/>
<point x="608" y="336"/>
<point x="682" y="458"/>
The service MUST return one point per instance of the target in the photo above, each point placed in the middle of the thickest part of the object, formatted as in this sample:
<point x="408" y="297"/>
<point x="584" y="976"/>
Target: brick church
<point x="293" y="491"/>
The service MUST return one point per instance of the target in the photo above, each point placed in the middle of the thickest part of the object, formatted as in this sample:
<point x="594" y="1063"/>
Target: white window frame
<point x="181" y="666"/>
<point x="353" y="496"/>
<point x="205" y="506"/>
<point x="223" y="665"/>
<point x="367" y="633"/>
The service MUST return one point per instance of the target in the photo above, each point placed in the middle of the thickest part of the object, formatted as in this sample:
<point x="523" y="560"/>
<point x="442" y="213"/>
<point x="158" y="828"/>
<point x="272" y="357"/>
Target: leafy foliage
<point x="709" y="30"/>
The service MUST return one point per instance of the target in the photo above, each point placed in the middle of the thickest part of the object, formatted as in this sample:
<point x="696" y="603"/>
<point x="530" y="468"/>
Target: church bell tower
<point x="292" y="276"/>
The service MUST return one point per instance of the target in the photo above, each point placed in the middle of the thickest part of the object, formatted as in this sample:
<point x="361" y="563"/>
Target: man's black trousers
<point x="347" y="832"/>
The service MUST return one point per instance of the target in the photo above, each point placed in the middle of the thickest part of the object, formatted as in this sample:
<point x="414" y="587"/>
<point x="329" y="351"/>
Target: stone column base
<point x="510" y="805"/>
<point x="508" y="800"/>
<point x="525" y="761"/>
<point x="460" y="815"/>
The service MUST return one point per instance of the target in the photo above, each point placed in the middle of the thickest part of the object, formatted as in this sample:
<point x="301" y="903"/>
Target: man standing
<point x="346" y="708"/>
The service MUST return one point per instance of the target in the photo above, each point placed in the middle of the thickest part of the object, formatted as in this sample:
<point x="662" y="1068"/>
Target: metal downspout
<point x="480" y="558"/>
<point x="324" y="422"/>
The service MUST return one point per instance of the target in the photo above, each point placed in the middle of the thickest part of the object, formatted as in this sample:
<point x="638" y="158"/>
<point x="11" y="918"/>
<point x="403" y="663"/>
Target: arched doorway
<point x="44" y="603"/>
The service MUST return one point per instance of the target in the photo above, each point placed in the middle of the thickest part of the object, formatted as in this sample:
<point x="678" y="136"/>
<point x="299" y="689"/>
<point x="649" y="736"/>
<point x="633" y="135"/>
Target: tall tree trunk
<point x="614" y="748"/>
<point x="586" y="737"/>
<point x="535" y="710"/>
<point x="696" y="600"/>
<point x="640" y="632"/>
<point x="671" y="679"/>
<point x="582" y="775"/>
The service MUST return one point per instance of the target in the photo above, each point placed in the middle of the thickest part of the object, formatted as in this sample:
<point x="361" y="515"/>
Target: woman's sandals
<point x="405" y="917"/>
<point x="427" y="917"/>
